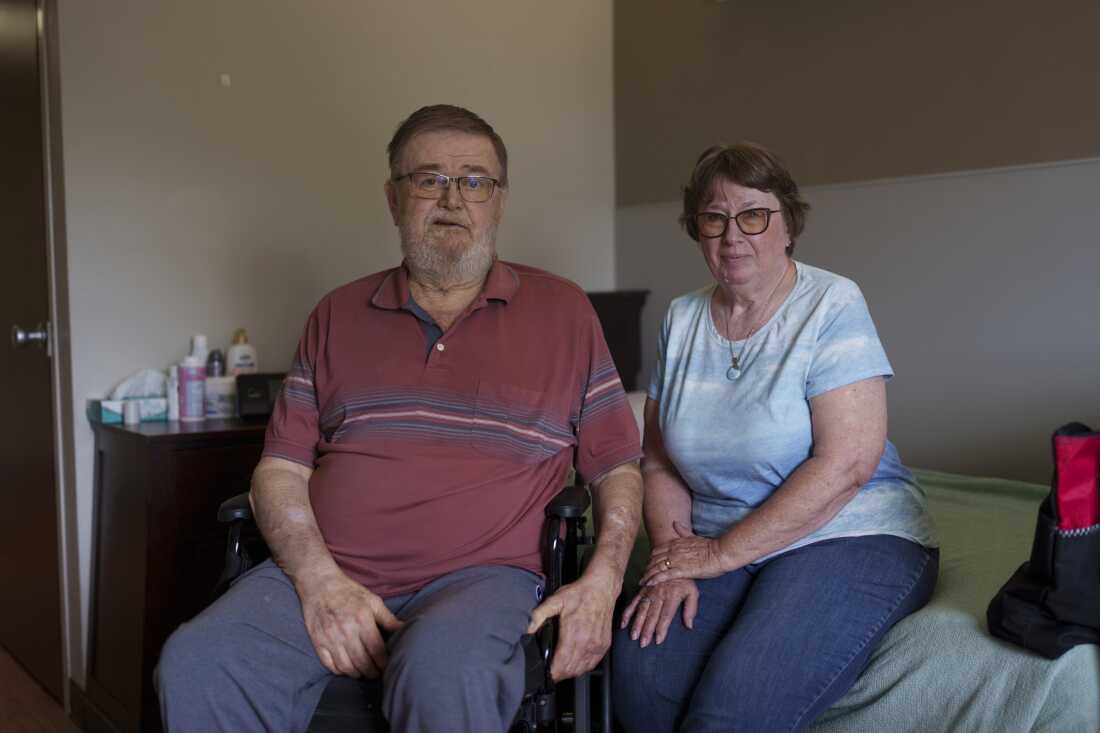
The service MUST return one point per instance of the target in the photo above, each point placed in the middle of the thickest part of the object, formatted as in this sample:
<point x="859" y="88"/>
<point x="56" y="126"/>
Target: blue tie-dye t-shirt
<point x="735" y="441"/>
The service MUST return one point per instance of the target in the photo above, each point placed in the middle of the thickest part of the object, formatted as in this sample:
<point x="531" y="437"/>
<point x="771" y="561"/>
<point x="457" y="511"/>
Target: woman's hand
<point x="654" y="606"/>
<point x="690" y="556"/>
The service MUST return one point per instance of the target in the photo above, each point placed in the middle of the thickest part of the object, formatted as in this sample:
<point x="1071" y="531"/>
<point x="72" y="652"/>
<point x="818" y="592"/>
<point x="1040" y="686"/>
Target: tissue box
<point x="109" y="412"/>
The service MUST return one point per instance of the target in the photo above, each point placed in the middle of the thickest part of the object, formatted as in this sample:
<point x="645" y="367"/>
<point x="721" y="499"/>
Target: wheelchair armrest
<point x="570" y="503"/>
<point x="239" y="557"/>
<point x="235" y="509"/>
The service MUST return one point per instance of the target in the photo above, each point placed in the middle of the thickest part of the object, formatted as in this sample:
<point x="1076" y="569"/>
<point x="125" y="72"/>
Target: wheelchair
<point x="349" y="704"/>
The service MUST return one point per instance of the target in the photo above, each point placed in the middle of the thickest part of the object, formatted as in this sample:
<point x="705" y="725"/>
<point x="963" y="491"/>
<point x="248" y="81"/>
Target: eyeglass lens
<point x="473" y="189"/>
<point x="750" y="221"/>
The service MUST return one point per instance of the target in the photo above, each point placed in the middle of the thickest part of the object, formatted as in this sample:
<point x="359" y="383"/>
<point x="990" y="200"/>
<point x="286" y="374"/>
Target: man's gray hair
<point x="444" y="117"/>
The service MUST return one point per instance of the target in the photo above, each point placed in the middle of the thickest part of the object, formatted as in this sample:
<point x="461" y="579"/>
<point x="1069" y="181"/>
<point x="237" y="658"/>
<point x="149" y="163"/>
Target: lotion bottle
<point x="242" y="355"/>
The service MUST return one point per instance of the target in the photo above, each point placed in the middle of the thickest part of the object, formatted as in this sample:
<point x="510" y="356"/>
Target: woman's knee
<point x="625" y="660"/>
<point x="651" y="686"/>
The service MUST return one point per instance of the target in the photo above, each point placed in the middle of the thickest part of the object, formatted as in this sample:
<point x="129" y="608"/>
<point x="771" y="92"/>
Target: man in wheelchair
<point x="431" y="413"/>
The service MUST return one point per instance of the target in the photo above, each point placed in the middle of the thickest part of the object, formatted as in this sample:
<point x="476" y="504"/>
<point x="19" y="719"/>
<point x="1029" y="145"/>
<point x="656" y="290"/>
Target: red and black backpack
<point x="1052" y="602"/>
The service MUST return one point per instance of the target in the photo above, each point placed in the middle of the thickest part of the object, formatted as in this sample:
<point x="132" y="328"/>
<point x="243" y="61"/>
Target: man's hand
<point x="584" y="609"/>
<point x="343" y="620"/>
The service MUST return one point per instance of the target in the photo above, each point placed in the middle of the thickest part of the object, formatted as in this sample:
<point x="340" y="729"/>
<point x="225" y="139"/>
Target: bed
<point x="939" y="670"/>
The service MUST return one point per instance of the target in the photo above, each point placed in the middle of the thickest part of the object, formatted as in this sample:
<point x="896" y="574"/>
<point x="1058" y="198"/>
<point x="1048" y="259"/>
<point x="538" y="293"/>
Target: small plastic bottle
<point x="242" y="355"/>
<point x="215" y="364"/>
<point x="173" y="392"/>
<point x="198" y="346"/>
<point x="192" y="390"/>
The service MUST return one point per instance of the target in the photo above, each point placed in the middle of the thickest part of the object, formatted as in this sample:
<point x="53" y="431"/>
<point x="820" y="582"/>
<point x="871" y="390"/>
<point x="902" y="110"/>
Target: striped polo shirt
<point x="435" y="452"/>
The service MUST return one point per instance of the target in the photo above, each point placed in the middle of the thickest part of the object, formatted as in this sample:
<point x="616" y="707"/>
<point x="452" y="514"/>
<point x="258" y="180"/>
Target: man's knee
<point x="447" y="678"/>
<point x="440" y="649"/>
<point x="189" y="657"/>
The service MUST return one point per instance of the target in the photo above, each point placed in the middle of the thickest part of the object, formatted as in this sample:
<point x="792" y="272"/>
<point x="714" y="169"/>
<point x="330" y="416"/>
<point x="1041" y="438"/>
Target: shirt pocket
<point x="519" y="424"/>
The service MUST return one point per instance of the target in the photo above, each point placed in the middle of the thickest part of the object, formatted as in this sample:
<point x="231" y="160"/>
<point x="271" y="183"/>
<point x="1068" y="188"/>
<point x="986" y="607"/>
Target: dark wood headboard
<point x="620" y="314"/>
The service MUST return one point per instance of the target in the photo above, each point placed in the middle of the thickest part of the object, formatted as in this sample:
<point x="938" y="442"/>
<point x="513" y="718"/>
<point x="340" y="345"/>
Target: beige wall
<point x="950" y="151"/>
<point x="983" y="288"/>
<point x="854" y="90"/>
<point x="193" y="206"/>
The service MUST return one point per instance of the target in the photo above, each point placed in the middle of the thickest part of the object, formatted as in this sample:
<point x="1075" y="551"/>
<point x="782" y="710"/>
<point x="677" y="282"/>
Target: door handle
<point x="40" y="336"/>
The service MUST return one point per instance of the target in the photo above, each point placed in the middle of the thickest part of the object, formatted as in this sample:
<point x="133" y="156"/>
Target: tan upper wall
<point x="856" y="90"/>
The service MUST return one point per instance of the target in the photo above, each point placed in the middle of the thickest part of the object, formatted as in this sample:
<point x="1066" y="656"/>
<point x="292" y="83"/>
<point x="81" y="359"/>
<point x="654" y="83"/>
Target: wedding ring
<point x="644" y="600"/>
<point x="668" y="564"/>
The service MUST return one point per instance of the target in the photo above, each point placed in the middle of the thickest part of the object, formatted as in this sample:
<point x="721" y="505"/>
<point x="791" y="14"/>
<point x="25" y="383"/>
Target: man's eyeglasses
<point x="472" y="189"/>
<point x="713" y="224"/>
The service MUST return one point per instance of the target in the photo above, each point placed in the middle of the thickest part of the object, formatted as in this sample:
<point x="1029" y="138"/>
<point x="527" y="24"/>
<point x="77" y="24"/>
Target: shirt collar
<point x="392" y="294"/>
<point x="501" y="284"/>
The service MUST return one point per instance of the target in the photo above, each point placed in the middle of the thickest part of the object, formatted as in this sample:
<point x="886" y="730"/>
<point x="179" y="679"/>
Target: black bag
<point x="1052" y="602"/>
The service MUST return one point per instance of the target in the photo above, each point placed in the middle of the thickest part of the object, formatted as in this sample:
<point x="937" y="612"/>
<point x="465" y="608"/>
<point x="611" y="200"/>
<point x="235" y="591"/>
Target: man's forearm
<point x="618" y="511"/>
<point x="280" y="501"/>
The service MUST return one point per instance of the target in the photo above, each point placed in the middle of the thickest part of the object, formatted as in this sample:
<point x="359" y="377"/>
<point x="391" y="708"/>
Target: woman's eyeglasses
<point x="713" y="224"/>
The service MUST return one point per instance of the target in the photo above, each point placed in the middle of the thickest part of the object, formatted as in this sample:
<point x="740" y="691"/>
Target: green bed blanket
<point x="939" y="670"/>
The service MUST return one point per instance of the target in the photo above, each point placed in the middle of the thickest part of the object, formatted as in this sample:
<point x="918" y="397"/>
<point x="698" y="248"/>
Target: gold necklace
<point x="734" y="369"/>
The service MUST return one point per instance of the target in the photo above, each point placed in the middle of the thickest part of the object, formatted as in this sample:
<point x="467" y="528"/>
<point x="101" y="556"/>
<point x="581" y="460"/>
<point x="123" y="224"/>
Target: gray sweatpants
<point x="246" y="663"/>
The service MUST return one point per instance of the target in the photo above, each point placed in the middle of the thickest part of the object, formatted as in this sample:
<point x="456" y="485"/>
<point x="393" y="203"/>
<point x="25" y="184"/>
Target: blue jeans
<point x="775" y="643"/>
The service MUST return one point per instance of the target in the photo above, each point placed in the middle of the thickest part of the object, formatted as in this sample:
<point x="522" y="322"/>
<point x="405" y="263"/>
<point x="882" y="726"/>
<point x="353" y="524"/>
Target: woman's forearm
<point x="667" y="500"/>
<point x="849" y="431"/>
<point x="806" y="501"/>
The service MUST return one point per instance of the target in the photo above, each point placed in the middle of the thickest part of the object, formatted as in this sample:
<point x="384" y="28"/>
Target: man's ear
<point x="391" y="198"/>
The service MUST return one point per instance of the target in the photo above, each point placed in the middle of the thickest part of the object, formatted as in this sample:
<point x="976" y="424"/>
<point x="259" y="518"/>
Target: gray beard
<point x="447" y="268"/>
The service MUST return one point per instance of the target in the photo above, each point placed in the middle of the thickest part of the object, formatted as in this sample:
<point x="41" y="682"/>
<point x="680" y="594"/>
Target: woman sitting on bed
<point x="787" y="536"/>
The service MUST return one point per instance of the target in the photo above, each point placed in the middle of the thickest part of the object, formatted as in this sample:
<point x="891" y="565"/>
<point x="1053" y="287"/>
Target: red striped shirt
<point x="427" y="464"/>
